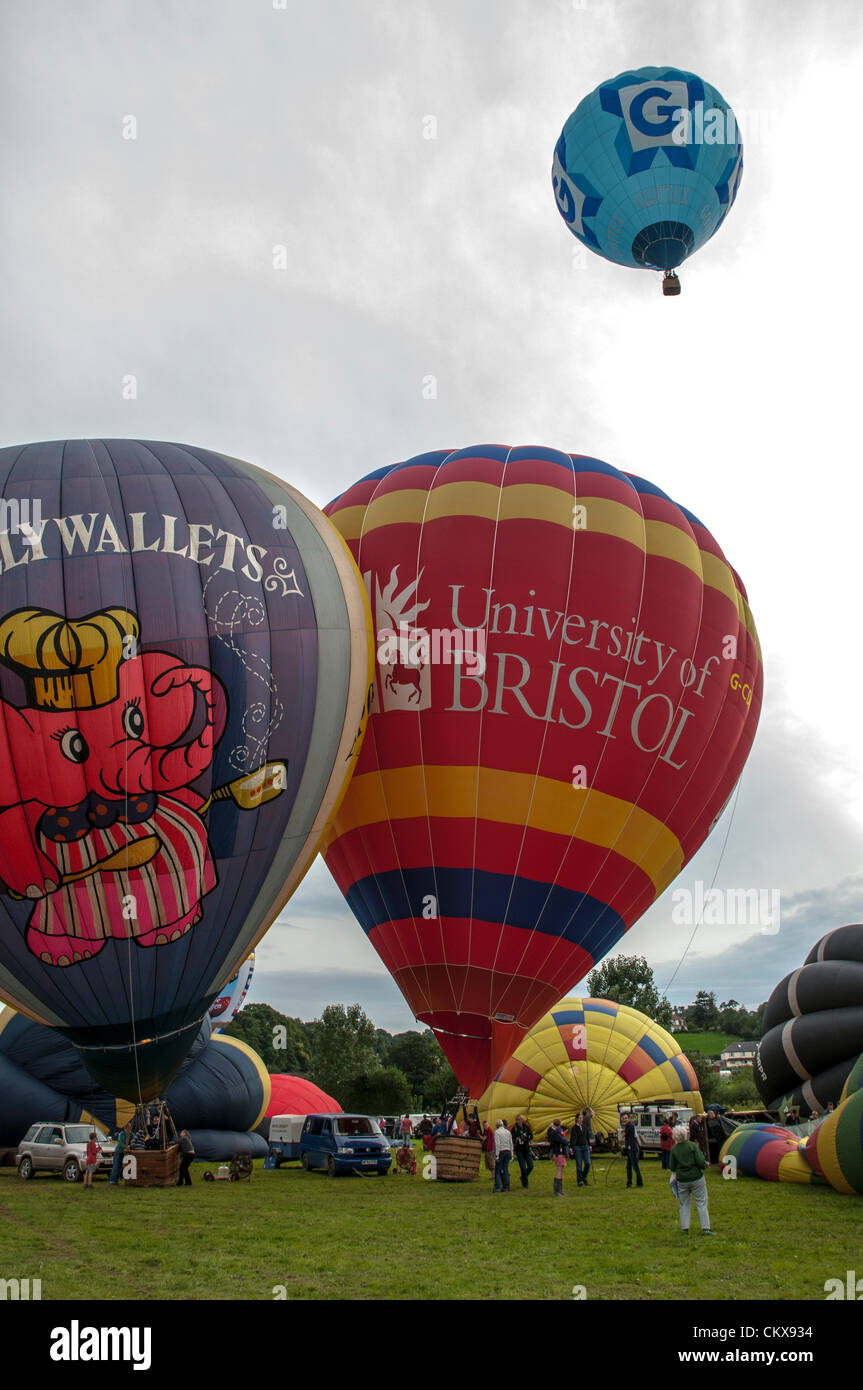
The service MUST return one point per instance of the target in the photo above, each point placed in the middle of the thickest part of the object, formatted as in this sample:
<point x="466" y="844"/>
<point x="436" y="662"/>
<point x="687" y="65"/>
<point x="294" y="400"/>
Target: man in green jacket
<point x="687" y="1165"/>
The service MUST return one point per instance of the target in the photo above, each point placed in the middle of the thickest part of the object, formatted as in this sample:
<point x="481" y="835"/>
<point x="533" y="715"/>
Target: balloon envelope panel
<point x="854" y="1081"/>
<point x="835" y="1149"/>
<point x="813" y="1026"/>
<point x="220" y="1145"/>
<point x="568" y="685"/>
<point x="768" y="1151"/>
<point x="590" y="1052"/>
<point x="229" y="1001"/>
<point x="647" y="166"/>
<point x="183" y="672"/>
<point x="294" y="1095"/>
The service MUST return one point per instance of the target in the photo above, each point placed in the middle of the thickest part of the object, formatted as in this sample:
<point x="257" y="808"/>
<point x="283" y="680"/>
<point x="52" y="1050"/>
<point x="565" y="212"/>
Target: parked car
<point x="61" y="1148"/>
<point x="344" y="1144"/>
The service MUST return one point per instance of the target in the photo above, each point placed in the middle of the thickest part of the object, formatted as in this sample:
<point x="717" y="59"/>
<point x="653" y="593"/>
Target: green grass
<point x="402" y="1237"/>
<point x="710" y="1044"/>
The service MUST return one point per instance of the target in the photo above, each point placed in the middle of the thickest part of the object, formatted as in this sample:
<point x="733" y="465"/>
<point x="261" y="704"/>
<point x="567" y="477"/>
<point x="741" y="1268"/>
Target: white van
<point x="285" y="1131"/>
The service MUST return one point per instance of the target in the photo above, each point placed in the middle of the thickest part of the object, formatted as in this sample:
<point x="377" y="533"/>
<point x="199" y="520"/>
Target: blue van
<point x="344" y="1144"/>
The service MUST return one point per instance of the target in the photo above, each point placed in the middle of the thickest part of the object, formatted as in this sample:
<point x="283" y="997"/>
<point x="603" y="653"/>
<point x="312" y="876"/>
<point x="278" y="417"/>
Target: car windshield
<point x="355" y="1124"/>
<point x="79" y="1134"/>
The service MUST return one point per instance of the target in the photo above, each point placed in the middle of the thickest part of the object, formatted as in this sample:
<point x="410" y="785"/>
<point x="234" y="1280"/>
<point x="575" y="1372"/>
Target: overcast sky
<point x="303" y="128"/>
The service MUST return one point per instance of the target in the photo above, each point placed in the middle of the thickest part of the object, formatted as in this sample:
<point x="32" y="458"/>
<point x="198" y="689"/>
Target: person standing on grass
<point x="488" y="1146"/>
<point x="632" y="1150"/>
<point x="119" y="1153"/>
<point x="588" y="1125"/>
<point x="715" y="1136"/>
<point x="697" y="1131"/>
<point x="687" y="1167"/>
<point x="502" y="1157"/>
<point x="91" y="1158"/>
<point x="522" y="1134"/>
<point x="558" y="1163"/>
<point x="666" y="1141"/>
<point x="556" y="1137"/>
<point x="580" y="1145"/>
<point x="187" y="1153"/>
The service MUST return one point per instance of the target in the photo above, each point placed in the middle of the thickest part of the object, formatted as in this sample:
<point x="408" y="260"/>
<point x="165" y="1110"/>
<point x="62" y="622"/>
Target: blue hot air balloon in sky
<point x="647" y="167"/>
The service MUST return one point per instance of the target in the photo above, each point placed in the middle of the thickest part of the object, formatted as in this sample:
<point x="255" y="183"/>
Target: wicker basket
<point x="456" y="1159"/>
<point x="154" y="1167"/>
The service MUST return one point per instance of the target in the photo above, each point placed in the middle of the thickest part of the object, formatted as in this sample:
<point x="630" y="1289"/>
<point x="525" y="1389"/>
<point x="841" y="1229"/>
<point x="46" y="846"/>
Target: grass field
<point x="402" y="1237"/>
<point x="710" y="1044"/>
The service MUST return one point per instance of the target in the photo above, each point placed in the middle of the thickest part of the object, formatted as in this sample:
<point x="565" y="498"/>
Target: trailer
<point x="285" y="1131"/>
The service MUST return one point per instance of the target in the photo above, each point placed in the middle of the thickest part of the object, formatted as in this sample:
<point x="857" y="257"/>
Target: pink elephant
<point x="82" y="786"/>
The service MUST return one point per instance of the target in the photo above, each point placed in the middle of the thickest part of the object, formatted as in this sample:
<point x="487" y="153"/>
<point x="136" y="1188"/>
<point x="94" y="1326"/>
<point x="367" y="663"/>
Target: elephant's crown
<point x="68" y="663"/>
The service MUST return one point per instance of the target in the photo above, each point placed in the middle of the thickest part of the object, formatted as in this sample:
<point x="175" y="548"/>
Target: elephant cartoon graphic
<point x="99" y="825"/>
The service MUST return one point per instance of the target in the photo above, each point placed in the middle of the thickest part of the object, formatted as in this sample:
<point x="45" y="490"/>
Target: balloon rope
<point x="710" y="889"/>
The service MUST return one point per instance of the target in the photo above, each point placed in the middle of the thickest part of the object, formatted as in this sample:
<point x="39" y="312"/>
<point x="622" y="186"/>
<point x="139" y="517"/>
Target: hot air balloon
<point x="835" y="1149"/>
<point x="647" y="167"/>
<point x="222" y="1086"/>
<point x="813" y="1026"/>
<point x="568" y="684"/>
<point x="184" y="655"/>
<point x="768" y="1151"/>
<point x="590" y="1052"/>
<point x="229" y="1001"/>
<point x="294" y="1095"/>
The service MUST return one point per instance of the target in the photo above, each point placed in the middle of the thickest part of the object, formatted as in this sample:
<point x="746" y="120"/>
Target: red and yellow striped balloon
<point x="512" y="813"/>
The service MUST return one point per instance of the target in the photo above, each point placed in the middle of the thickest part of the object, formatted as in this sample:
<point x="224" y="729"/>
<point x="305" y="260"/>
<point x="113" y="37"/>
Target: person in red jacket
<point x="488" y="1146"/>
<point x="666" y="1141"/>
<point x="91" y="1158"/>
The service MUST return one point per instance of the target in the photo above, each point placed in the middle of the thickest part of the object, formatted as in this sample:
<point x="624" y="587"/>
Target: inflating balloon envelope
<point x="184" y="654"/>
<point x="567" y="687"/>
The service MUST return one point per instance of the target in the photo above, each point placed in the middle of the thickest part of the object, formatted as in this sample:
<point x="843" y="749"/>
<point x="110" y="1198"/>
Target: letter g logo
<point x="659" y="120"/>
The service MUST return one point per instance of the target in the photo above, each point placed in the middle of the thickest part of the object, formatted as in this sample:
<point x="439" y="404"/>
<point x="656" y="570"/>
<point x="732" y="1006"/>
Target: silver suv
<point x="61" y="1148"/>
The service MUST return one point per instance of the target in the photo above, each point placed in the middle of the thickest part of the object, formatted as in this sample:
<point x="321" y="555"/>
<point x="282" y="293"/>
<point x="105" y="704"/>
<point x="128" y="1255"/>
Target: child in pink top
<point x="91" y="1159"/>
<point x="559" y="1161"/>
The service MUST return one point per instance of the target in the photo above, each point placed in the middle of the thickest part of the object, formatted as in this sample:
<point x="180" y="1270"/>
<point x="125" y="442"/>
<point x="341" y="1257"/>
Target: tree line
<point x="371" y="1071"/>
<point x="629" y="980"/>
<point x="364" y="1068"/>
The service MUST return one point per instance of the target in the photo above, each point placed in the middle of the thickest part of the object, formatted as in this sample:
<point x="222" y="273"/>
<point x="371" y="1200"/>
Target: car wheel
<point x="331" y="1166"/>
<point x="25" y="1168"/>
<point x="235" y="1177"/>
<point x="383" y="1172"/>
<point x="71" y="1171"/>
<point x="305" y="1162"/>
